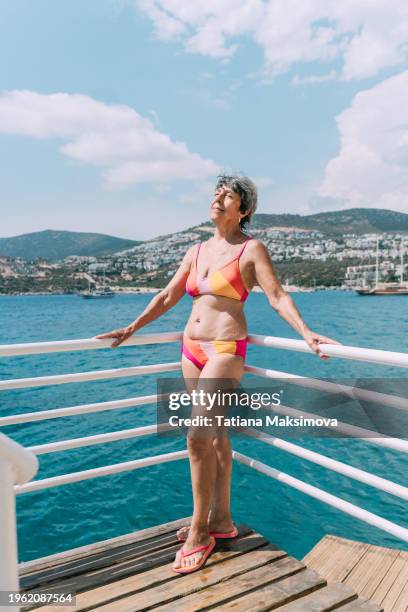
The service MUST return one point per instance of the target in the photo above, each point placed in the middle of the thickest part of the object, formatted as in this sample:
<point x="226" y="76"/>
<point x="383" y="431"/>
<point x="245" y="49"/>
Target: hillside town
<point x="304" y="260"/>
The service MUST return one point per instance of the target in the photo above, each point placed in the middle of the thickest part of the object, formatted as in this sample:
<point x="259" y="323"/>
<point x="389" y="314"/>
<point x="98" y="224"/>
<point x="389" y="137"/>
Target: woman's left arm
<point x="281" y="301"/>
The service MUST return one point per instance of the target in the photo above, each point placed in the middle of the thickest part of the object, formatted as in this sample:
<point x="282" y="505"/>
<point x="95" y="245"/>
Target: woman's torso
<point x="216" y="316"/>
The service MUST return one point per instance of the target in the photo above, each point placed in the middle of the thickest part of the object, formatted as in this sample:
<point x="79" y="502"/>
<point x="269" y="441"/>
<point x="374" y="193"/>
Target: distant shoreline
<point x="116" y="291"/>
<point x="146" y="290"/>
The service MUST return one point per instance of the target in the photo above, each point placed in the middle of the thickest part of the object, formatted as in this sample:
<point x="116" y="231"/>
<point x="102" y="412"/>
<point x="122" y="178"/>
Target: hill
<point x="352" y="220"/>
<point x="55" y="245"/>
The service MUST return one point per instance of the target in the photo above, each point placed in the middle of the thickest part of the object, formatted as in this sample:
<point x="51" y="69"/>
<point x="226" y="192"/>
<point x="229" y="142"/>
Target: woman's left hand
<point x="313" y="340"/>
<point x="119" y="335"/>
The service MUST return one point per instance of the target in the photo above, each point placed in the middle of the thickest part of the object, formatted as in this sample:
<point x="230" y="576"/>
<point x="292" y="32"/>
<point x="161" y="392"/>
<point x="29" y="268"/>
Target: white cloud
<point x="115" y="137"/>
<point x="365" y="36"/>
<point x="371" y="168"/>
<point x="330" y="76"/>
<point x="167" y="26"/>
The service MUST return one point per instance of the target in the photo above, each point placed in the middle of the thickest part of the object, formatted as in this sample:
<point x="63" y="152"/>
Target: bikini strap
<point x="198" y="250"/>
<point x="243" y="247"/>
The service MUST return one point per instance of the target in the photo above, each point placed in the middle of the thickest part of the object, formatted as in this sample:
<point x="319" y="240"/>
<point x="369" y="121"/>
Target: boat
<point x="133" y="571"/>
<point x="384" y="288"/>
<point x="93" y="294"/>
<point x="97" y="294"/>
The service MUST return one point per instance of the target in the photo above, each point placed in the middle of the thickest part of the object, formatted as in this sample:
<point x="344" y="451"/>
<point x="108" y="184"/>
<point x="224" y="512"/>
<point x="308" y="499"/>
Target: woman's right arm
<point x="160" y="304"/>
<point x="167" y="297"/>
<point x="281" y="301"/>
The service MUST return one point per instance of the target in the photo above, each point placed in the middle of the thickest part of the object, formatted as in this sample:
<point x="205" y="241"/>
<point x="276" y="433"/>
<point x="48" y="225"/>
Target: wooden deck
<point x="133" y="572"/>
<point x="377" y="573"/>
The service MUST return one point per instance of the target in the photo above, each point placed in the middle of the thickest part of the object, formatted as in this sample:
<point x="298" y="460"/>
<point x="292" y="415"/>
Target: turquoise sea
<point x="76" y="514"/>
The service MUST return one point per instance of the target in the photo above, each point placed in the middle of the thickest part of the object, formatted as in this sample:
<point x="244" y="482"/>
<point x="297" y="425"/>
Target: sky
<point x="117" y="115"/>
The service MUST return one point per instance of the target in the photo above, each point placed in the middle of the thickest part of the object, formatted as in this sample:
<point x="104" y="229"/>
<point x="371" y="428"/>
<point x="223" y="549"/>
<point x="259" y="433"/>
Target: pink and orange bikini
<point x="226" y="282"/>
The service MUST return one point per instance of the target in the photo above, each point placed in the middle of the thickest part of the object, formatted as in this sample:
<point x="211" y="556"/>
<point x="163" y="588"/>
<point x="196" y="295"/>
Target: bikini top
<point x="226" y="281"/>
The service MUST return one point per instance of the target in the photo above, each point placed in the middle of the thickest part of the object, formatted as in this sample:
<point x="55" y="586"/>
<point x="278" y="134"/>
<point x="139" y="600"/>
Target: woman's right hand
<point x="120" y="335"/>
<point x="313" y="340"/>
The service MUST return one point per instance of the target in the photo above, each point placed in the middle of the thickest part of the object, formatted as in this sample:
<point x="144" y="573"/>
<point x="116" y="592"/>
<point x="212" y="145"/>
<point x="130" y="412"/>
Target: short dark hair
<point x="247" y="191"/>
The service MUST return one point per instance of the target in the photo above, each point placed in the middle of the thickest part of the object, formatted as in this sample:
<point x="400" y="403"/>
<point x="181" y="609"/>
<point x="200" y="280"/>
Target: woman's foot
<point x="215" y="525"/>
<point x="220" y="524"/>
<point x="195" y="539"/>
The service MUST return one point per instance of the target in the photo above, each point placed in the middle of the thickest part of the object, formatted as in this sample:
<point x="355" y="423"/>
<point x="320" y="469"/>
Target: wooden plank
<point x="148" y="549"/>
<point x="98" y="560"/>
<point x="220" y="587"/>
<point x="322" y="600"/>
<point x="26" y="567"/>
<point x="92" y="579"/>
<point x="334" y="558"/>
<point x="401" y="603"/>
<point x="318" y="549"/>
<point x="389" y="589"/>
<point x="361" y="605"/>
<point x="401" y="580"/>
<point x="371" y="570"/>
<point x="276" y="594"/>
<point x="320" y="552"/>
<point x="377" y="573"/>
<point x="119" y="586"/>
<point x="162" y="548"/>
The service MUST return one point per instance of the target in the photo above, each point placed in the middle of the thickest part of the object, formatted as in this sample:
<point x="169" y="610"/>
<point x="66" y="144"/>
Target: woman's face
<point x="225" y="205"/>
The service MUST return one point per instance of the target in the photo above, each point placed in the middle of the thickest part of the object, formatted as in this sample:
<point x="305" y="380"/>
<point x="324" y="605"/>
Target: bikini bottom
<point x="200" y="351"/>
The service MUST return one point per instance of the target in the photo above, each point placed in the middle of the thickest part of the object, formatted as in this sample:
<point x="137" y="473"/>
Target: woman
<point x="218" y="274"/>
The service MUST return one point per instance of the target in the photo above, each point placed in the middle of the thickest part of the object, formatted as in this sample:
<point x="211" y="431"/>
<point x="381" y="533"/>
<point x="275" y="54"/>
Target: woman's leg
<point x="220" y="515"/>
<point x="210" y="461"/>
<point x="202" y="464"/>
<point x="220" y="519"/>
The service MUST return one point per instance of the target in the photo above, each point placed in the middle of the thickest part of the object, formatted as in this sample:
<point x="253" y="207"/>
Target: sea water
<point x="76" y="514"/>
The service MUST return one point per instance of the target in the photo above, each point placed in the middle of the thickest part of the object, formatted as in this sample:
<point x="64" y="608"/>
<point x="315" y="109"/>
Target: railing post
<point x="17" y="465"/>
<point x="9" y="580"/>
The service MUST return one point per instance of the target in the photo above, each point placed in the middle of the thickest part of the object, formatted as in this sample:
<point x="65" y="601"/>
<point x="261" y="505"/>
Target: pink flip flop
<point x="228" y="534"/>
<point x="214" y="534"/>
<point x="208" y="550"/>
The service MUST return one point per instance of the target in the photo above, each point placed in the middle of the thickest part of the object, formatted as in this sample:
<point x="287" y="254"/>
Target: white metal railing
<point x="345" y="428"/>
<point x="60" y="379"/>
<point x="333" y="350"/>
<point x="327" y="498"/>
<point x="58" y="346"/>
<point x="18" y="465"/>
<point x="56" y="413"/>
<point x="385" y="399"/>
<point x="115" y="468"/>
<point x="332" y="464"/>
<point x="355" y="353"/>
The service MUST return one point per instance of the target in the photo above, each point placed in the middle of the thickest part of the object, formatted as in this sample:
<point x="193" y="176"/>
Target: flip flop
<point x="208" y="550"/>
<point x="216" y="534"/>
<point x="229" y="534"/>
